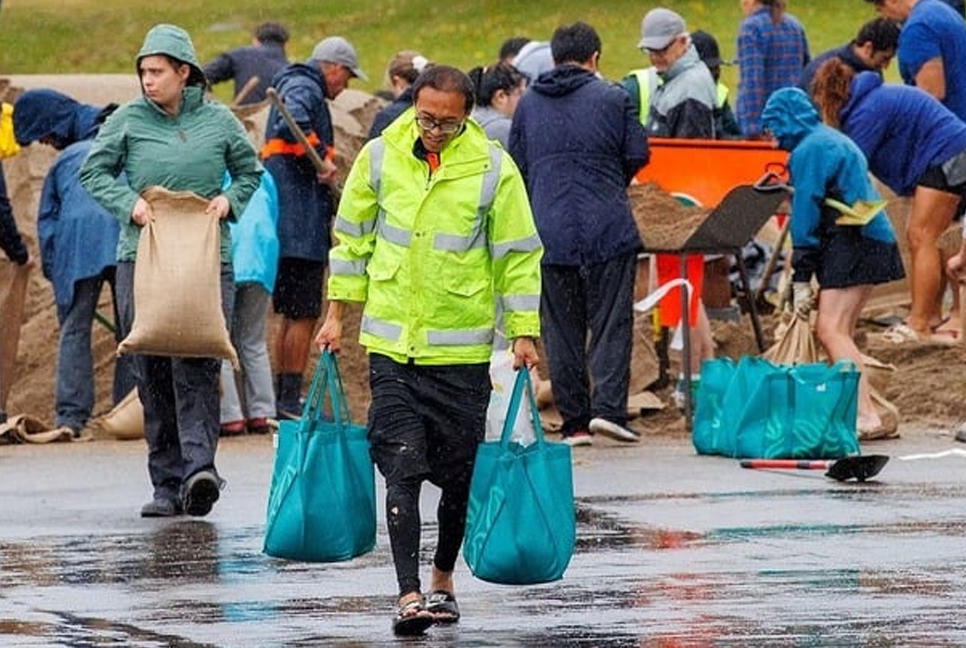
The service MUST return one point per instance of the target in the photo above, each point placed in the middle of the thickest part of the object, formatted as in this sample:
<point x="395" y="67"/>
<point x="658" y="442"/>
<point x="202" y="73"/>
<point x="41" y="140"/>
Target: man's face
<point x="336" y="78"/>
<point x="663" y="59"/>
<point x="873" y="58"/>
<point x="439" y="116"/>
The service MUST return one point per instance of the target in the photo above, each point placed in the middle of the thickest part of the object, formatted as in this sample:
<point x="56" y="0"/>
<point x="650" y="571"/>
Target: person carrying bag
<point x="520" y="523"/>
<point x="322" y="502"/>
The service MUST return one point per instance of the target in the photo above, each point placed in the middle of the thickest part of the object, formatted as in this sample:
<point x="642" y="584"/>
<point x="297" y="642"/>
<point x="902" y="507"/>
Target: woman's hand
<point x="142" y="212"/>
<point x="218" y="206"/>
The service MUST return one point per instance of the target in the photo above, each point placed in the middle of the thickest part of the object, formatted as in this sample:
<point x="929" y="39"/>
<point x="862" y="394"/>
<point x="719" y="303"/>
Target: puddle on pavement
<point x="629" y="584"/>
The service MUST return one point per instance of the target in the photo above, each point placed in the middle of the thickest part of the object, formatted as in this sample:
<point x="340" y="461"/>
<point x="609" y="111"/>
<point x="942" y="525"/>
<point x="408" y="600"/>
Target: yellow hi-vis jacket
<point x="430" y="253"/>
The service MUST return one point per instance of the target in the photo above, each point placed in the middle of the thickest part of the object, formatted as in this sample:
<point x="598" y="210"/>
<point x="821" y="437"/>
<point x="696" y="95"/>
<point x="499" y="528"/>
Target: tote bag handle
<point x="327" y="381"/>
<point x="520" y="385"/>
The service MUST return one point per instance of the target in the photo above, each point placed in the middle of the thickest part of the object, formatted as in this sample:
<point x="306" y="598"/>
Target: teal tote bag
<point x="726" y="389"/>
<point x="322" y="502"/>
<point x="805" y="411"/>
<point x="521" y="526"/>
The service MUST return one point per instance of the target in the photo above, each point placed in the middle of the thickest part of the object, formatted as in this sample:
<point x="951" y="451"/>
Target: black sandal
<point x="412" y="619"/>
<point x="442" y="605"/>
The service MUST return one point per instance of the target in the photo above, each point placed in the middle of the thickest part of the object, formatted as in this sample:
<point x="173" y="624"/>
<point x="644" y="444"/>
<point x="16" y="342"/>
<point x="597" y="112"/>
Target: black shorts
<point x="948" y="177"/>
<point x="298" y="288"/>
<point x="850" y="259"/>
<point x="426" y="421"/>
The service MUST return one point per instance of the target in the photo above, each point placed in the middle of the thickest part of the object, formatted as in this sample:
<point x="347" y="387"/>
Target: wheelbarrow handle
<point x="771" y="182"/>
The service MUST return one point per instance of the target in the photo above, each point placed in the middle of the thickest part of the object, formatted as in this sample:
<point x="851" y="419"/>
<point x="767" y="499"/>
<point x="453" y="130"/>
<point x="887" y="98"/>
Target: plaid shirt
<point x="770" y="56"/>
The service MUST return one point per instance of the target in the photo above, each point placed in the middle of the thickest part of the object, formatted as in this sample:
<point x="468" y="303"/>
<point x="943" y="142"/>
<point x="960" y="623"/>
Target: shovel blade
<point x="859" y="467"/>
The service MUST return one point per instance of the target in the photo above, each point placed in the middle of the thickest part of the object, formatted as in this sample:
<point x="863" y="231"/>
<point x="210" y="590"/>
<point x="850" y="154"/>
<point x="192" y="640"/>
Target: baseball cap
<point x="338" y="50"/>
<point x="707" y="48"/>
<point x="659" y="27"/>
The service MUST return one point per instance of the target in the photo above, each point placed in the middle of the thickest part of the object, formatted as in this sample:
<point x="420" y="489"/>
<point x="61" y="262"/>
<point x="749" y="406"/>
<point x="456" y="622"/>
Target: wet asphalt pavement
<point x="674" y="550"/>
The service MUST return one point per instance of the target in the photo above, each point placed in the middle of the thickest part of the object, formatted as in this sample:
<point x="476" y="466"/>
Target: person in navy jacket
<point x="578" y="143"/>
<point x="78" y="246"/>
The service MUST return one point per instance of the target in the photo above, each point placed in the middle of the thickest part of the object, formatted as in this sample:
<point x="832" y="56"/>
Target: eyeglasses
<point x="446" y="127"/>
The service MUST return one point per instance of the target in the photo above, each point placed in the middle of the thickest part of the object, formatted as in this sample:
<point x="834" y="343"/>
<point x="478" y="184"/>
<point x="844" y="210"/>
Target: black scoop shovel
<point x="859" y="467"/>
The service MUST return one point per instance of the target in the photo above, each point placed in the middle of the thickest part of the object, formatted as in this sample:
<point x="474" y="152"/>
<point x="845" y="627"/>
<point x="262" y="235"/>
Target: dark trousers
<point x="587" y="322"/>
<point x="425" y="422"/>
<point x="75" y="363"/>
<point x="180" y="399"/>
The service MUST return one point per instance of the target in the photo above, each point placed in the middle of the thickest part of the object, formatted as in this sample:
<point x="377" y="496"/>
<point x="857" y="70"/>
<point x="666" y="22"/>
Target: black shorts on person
<point x="298" y="288"/>
<point x="948" y="177"/>
<point x="850" y="259"/>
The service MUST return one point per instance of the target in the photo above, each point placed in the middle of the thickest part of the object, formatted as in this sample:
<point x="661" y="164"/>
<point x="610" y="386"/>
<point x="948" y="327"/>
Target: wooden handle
<point x="314" y="156"/>
<point x="246" y="90"/>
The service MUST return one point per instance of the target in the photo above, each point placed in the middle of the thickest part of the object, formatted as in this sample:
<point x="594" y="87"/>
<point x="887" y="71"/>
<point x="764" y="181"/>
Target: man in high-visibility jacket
<point x="434" y="225"/>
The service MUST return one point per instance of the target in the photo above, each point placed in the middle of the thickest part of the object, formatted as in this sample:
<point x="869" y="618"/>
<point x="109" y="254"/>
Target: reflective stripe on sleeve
<point x="520" y="303"/>
<point x="380" y="328"/>
<point x="347" y="268"/>
<point x="530" y="244"/>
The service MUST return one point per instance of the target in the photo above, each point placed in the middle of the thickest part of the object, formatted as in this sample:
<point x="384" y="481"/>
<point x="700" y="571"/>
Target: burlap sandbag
<point x="28" y="429"/>
<point x="13" y="294"/>
<point x="126" y="421"/>
<point x="177" y="282"/>
<point x="796" y="345"/>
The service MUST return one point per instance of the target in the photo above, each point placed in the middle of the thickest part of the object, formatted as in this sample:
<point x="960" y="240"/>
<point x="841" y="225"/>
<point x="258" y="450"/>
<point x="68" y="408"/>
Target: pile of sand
<point x="926" y="385"/>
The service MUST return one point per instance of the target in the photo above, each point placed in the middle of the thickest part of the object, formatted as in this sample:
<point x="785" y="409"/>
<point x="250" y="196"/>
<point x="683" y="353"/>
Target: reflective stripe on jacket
<point x="428" y="253"/>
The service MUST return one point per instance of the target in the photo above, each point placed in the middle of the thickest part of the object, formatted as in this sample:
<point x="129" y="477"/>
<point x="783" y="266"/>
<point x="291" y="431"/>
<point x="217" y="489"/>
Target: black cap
<point x="707" y="48"/>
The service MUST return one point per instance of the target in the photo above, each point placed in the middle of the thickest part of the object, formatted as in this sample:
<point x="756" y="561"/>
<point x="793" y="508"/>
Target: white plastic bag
<point x="502" y="375"/>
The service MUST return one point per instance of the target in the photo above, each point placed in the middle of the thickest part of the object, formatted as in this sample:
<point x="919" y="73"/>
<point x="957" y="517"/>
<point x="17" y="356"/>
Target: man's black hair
<point x="446" y="78"/>
<point x="271" y="32"/>
<point x="512" y="46"/>
<point x="881" y="32"/>
<point x="574" y="43"/>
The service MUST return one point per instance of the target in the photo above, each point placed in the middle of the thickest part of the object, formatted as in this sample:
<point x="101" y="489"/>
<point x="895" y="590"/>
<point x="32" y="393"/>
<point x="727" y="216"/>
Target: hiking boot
<point x="161" y="507"/>
<point x="201" y="491"/>
<point x="613" y="430"/>
<point x="578" y="438"/>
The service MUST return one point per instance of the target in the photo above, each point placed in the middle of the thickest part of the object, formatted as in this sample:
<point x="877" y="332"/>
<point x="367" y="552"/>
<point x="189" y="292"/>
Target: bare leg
<point x="838" y="312"/>
<point x="703" y="340"/>
<point x="932" y="212"/>
<point x="441" y="580"/>
<point x="293" y="344"/>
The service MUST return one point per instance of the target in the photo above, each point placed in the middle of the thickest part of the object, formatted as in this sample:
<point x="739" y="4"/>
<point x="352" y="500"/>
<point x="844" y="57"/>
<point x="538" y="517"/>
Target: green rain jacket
<point x="427" y="253"/>
<point x="188" y="152"/>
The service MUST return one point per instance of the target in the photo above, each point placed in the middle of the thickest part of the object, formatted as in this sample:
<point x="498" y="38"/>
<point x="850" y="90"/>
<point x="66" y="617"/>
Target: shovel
<point x="859" y="467"/>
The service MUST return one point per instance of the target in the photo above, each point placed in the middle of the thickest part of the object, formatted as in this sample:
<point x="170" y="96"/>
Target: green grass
<point x="85" y="36"/>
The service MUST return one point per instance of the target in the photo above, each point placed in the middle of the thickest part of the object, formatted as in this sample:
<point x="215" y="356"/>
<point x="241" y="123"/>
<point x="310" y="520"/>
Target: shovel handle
<point x="799" y="464"/>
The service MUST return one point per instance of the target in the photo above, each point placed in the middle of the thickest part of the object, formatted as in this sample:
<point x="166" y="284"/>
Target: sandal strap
<point x="411" y="608"/>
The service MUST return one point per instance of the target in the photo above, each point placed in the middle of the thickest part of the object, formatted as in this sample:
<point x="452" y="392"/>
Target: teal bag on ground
<point x="322" y="502"/>
<point x="759" y="410"/>
<point x="805" y="411"/>
<point x="521" y="525"/>
<point x="725" y="388"/>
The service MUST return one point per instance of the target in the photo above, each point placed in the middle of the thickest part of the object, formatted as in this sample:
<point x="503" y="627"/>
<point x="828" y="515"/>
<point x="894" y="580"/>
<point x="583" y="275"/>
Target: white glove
<point x="802" y="298"/>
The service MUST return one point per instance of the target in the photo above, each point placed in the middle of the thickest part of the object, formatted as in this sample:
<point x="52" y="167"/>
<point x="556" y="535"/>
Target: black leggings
<point x="425" y="422"/>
